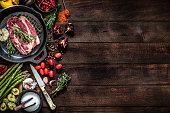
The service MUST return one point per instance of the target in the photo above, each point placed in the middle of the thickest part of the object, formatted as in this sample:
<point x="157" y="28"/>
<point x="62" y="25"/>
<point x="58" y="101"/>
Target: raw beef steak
<point x="28" y="28"/>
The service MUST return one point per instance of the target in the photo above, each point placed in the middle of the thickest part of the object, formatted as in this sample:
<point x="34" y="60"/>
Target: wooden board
<point x="108" y="53"/>
<point x="154" y="95"/>
<point x="119" y="10"/>
<point x="72" y="109"/>
<point x="118" y="59"/>
<point x="142" y="32"/>
<point x="111" y="110"/>
<point x="117" y="74"/>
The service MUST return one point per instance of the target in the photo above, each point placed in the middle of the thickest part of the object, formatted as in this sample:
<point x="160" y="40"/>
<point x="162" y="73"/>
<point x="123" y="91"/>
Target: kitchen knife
<point x="42" y="87"/>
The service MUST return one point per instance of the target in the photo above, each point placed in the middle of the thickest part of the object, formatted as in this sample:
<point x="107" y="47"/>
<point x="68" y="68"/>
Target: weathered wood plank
<point x="113" y="96"/>
<point x="104" y="110"/>
<point x="121" y="32"/>
<point x="117" y="74"/>
<point x="117" y="53"/>
<point x="114" y="74"/>
<point x="119" y="10"/>
<point x="110" y="110"/>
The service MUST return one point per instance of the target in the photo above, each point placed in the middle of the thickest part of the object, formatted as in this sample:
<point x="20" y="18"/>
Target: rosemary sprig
<point x="23" y="36"/>
<point x="50" y="19"/>
<point x="61" y="83"/>
<point x="10" y="47"/>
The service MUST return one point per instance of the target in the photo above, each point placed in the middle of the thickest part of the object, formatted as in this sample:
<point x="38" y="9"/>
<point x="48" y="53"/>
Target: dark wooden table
<point x="119" y="58"/>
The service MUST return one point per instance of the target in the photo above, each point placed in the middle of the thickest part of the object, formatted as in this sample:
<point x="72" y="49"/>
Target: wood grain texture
<point x="118" y="59"/>
<point x="117" y="53"/>
<point x="110" y="110"/>
<point x="72" y="109"/>
<point x="113" y="96"/>
<point x="119" y="10"/>
<point x="114" y="74"/>
<point x="121" y="32"/>
<point x="117" y="74"/>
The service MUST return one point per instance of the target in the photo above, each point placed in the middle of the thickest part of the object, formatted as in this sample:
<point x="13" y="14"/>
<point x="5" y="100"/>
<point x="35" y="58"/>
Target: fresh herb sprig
<point x="10" y="47"/>
<point x="50" y="18"/>
<point x="24" y="36"/>
<point x="61" y="83"/>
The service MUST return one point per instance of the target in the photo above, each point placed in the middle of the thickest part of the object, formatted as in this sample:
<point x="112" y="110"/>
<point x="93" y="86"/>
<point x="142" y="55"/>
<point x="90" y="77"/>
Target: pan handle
<point x="42" y="58"/>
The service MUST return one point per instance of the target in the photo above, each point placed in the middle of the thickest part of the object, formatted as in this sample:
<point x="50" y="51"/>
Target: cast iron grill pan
<point x="37" y="21"/>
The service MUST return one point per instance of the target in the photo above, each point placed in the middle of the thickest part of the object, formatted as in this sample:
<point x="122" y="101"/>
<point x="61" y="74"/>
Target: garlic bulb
<point x="29" y="83"/>
<point x="4" y="34"/>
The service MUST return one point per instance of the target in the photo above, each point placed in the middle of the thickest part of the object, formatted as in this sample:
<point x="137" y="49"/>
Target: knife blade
<point x="42" y="87"/>
<point x="37" y="77"/>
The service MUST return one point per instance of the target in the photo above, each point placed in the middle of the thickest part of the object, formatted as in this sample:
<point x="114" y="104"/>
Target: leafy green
<point x="10" y="47"/>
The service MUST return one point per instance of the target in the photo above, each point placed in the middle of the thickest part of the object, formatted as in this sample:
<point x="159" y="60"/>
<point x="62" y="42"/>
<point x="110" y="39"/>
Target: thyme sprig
<point x="61" y="83"/>
<point x="10" y="47"/>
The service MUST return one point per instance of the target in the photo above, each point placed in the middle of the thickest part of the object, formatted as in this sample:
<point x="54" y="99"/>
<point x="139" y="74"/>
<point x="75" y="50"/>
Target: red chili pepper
<point x="52" y="3"/>
<point x="44" y="3"/>
<point x="3" y="69"/>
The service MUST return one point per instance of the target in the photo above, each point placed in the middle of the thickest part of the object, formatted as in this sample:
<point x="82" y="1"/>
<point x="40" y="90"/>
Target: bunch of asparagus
<point x="12" y="77"/>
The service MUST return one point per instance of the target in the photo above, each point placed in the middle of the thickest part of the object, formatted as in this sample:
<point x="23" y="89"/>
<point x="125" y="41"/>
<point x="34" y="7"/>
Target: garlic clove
<point x="29" y="83"/>
<point x="45" y="79"/>
<point x="51" y="82"/>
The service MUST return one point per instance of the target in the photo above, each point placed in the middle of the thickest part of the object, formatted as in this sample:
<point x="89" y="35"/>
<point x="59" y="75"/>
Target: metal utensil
<point x="21" y="106"/>
<point x="42" y="87"/>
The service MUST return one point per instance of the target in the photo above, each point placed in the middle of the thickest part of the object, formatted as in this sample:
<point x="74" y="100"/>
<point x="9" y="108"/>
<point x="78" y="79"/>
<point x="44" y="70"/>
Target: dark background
<point x="118" y="59"/>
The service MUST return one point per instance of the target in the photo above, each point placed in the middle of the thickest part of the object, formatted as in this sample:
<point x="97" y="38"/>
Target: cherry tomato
<point x="41" y="71"/>
<point x="46" y="71"/>
<point x="42" y="65"/>
<point x="58" y="66"/>
<point x="58" y="55"/>
<point x="37" y="67"/>
<point x="51" y="62"/>
<point x="51" y="73"/>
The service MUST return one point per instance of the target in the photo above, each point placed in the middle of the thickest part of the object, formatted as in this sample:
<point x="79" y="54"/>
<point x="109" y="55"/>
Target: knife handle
<point x="48" y="98"/>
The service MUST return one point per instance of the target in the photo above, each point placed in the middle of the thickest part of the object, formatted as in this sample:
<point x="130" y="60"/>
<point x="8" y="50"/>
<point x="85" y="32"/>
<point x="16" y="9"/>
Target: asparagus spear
<point x="9" y="89"/>
<point x="8" y="74"/>
<point x="19" y="74"/>
<point x="18" y="79"/>
<point x="13" y="75"/>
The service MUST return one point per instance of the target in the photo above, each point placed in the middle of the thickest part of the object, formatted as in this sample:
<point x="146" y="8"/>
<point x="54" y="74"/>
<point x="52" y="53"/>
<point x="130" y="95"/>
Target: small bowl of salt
<point x="27" y="94"/>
